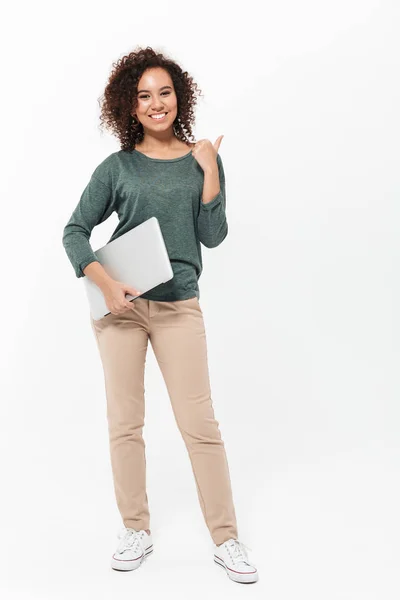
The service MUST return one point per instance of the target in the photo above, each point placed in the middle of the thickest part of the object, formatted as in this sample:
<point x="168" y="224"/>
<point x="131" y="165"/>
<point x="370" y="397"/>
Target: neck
<point x="160" y="141"/>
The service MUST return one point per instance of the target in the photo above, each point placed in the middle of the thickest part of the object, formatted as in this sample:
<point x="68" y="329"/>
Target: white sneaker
<point x="232" y="556"/>
<point x="132" y="550"/>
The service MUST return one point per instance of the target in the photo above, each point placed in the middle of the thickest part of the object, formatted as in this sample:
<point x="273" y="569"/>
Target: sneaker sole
<point x="130" y="565"/>
<point x="235" y="575"/>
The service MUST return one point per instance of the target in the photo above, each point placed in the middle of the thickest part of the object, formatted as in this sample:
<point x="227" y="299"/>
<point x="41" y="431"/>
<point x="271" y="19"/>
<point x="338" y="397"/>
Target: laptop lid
<point x="138" y="258"/>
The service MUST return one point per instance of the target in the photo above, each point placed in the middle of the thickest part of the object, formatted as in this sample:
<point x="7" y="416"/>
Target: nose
<point x="157" y="107"/>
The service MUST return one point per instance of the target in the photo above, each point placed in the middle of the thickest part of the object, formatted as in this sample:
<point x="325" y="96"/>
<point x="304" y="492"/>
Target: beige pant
<point x="178" y="338"/>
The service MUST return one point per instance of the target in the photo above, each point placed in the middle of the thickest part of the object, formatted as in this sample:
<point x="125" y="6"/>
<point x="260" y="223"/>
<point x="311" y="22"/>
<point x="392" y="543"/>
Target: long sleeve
<point x="95" y="206"/>
<point x="212" y="226"/>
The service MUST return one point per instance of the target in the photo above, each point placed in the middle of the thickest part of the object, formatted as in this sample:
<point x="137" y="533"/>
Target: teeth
<point x="158" y="116"/>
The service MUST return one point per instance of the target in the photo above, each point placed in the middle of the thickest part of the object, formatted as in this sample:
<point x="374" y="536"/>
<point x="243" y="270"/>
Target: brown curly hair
<point x="120" y="96"/>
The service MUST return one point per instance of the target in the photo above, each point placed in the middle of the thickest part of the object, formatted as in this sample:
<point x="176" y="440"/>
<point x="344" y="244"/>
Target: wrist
<point x="106" y="283"/>
<point x="211" y="170"/>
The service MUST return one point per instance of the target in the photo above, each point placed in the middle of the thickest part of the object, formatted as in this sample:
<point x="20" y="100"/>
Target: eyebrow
<point x="161" y="88"/>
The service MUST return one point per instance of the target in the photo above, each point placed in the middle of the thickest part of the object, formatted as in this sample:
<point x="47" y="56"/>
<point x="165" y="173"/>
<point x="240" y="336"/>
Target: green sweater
<point x="138" y="187"/>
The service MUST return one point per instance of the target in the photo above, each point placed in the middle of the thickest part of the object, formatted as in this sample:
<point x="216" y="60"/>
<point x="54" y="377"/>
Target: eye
<point x="146" y="95"/>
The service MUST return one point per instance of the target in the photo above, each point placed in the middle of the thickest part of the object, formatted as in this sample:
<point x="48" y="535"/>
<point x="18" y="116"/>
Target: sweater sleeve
<point x="212" y="225"/>
<point x="95" y="206"/>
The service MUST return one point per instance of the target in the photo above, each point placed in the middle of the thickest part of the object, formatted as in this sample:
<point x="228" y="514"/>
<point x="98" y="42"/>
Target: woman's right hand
<point x="114" y="295"/>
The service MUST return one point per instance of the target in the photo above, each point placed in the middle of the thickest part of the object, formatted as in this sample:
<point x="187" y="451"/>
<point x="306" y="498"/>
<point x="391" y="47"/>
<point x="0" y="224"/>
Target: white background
<point x="301" y="302"/>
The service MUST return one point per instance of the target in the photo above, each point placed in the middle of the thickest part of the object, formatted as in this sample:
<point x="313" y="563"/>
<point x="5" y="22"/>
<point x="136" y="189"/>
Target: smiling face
<point x="156" y="94"/>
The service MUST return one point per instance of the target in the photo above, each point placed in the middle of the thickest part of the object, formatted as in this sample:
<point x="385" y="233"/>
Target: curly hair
<point x="120" y="96"/>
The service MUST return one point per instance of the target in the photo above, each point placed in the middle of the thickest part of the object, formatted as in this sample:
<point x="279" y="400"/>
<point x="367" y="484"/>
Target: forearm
<point x="212" y="226"/>
<point x="96" y="272"/>
<point x="211" y="185"/>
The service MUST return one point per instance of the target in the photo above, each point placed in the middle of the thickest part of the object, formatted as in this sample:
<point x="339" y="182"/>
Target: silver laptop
<point x="138" y="258"/>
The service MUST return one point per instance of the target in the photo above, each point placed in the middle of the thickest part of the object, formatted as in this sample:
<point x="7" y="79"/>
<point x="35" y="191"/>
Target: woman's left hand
<point x="206" y="153"/>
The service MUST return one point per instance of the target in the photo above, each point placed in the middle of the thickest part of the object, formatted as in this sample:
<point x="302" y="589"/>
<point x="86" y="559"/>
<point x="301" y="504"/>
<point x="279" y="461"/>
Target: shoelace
<point x="238" y="550"/>
<point x="130" y="539"/>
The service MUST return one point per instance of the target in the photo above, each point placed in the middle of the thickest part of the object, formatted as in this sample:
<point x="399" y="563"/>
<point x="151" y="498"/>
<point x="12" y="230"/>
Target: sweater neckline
<point x="162" y="159"/>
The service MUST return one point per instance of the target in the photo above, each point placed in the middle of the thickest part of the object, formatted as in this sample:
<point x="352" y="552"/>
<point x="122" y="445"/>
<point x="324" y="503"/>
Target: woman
<point x="148" y="104"/>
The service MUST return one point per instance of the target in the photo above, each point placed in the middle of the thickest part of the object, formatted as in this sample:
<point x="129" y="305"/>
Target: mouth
<point x="156" y="116"/>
